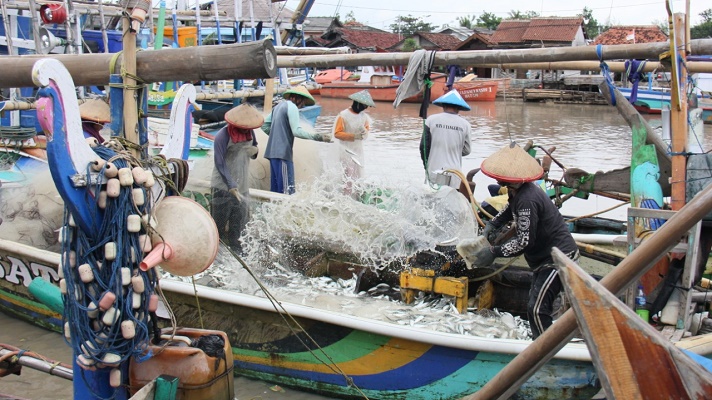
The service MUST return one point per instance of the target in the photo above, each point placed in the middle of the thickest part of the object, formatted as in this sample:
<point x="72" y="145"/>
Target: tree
<point x="467" y="21"/>
<point x="488" y="20"/>
<point x="590" y="24"/>
<point x="410" y="45"/>
<point x="522" y="15"/>
<point x="350" y="17"/>
<point x="407" y="26"/>
<point x="703" y="30"/>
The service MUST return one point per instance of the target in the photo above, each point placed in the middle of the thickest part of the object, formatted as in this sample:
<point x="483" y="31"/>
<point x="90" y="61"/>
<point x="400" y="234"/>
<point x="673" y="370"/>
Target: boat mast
<point x="678" y="114"/>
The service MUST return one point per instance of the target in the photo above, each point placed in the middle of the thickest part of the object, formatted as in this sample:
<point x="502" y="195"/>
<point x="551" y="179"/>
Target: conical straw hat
<point x="245" y="116"/>
<point x="512" y="164"/>
<point x="452" y="98"/>
<point x="300" y="90"/>
<point x="363" y="97"/>
<point x="95" y="110"/>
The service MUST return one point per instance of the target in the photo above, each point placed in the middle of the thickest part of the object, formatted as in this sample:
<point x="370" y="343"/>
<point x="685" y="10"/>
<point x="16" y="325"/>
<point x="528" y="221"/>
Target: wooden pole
<point x="526" y="363"/>
<point x="130" y="27"/>
<point x="678" y="114"/>
<point x="252" y="60"/>
<point x="641" y="51"/>
<point x="614" y="66"/>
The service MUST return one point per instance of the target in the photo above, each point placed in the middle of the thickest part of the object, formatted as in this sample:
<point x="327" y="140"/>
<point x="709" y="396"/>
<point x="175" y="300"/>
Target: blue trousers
<point x="281" y="176"/>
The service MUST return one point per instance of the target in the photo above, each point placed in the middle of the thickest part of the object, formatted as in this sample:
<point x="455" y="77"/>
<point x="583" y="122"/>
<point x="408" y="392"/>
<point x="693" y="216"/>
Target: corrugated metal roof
<point x="631" y="34"/>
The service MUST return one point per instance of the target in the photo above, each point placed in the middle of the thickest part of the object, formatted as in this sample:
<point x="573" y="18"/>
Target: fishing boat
<point x="705" y="103"/>
<point x="651" y="101"/>
<point x="624" y="346"/>
<point x="473" y="89"/>
<point x="381" y="85"/>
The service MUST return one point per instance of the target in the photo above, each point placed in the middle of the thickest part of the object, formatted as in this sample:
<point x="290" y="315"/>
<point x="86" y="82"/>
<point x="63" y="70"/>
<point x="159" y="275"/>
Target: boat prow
<point x="633" y="360"/>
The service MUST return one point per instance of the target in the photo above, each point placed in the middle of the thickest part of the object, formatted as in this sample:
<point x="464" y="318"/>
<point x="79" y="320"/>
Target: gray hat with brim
<point x="513" y="165"/>
<point x="300" y="90"/>
<point x="363" y="97"/>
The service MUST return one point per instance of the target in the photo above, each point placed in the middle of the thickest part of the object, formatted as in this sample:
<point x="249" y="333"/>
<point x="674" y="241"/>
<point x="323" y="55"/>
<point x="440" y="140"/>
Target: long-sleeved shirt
<point x="445" y="140"/>
<point x="231" y="162"/>
<point x="282" y="126"/>
<point x="539" y="225"/>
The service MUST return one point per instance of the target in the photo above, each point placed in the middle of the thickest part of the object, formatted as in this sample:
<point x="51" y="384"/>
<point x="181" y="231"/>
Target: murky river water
<point x="587" y="137"/>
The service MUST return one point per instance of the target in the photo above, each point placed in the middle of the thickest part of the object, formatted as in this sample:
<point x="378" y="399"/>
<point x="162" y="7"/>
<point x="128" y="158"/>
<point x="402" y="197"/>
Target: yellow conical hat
<point x="244" y="116"/>
<point x="96" y="110"/>
<point x="512" y="164"/>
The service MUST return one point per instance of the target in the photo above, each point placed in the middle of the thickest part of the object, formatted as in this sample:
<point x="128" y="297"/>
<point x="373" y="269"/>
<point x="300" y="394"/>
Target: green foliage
<point x="703" y="30"/>
<point x="522" y="15"/>
<point x="350" y="17"/>
<point x="467" y="21"/>
<point x="590" y="24"/>
<point x="488" y="20"/>
<point x="409" y="25"/>
<point x="410" y="45"/>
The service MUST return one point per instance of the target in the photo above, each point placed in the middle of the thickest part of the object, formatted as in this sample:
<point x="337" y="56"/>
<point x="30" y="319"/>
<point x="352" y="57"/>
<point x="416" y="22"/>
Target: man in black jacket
<point x="539" y="227"/>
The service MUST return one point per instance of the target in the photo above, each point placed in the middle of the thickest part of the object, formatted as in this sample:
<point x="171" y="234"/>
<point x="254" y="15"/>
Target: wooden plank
<point x="624" y="348"/>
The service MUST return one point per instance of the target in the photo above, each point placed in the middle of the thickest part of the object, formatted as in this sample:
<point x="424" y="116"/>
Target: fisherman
<point x="539" y="228"/>
<point x="445" y="140"/>
<point x="94" y="114"/>
<point x="351" y="128"/>
<point x="282" y="126"/>
<point x="235" y="145"/>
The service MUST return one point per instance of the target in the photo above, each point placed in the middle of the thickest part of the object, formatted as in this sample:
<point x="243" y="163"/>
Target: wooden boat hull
<point x="343" y="89"/>
<point x="625" y="347"/>
<point x="477" y="90"/>
<point x="385" y="361"/>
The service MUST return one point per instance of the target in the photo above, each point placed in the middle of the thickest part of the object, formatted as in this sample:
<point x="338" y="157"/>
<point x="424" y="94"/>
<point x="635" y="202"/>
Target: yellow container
<point x="201" y="377"/>
<point x="187" y="35"/>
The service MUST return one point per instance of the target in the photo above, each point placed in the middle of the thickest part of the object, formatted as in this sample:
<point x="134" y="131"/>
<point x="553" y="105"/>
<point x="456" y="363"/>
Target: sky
<point x="381" y="14"/>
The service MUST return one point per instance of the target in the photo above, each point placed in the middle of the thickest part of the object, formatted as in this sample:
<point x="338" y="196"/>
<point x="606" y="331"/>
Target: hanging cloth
<point x="416" y="76"/>
<point x="634" y="70"/>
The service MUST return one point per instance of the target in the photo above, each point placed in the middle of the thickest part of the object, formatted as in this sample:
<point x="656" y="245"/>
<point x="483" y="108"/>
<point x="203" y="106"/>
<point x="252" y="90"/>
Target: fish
<point x="356" y="161"/>
<point x="353" y="153"/>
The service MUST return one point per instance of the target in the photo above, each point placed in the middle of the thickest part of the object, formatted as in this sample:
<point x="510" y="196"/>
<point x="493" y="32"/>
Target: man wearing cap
<point x="282" y="126"/>
<point x="94" y="114"/>
<point x="233" y="148"/>
<point x="351" y="128"/>
<point x="445" y="140"/>
<point x="539" y="228"/>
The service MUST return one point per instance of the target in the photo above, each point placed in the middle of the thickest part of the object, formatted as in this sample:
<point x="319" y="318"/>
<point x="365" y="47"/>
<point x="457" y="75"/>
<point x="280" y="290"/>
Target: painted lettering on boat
<point x="16" y="271"/>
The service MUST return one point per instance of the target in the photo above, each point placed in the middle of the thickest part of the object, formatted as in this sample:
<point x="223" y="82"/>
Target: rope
<point x="96" y="333"/>
<point x="473" y="203"/>
<point x="284" y="314"/>
<point x="497" y="271"/>
<point x="605" y="71"/>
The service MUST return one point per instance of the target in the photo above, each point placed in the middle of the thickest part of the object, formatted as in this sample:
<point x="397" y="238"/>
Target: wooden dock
<point x="563" y="96"/>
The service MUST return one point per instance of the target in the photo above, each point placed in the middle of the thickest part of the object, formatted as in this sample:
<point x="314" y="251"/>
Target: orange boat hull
<point x="343" y="89"/>
<point x="477" y="91"/>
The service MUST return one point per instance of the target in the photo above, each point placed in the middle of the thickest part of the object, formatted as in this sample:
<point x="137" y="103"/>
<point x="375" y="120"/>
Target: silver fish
<point x="356" y="161"/>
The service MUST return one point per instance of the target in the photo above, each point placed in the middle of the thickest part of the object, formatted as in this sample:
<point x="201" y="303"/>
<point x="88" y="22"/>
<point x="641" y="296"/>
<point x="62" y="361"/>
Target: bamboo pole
<point x="639" y="51"/>
<point x="35" y="25"/>
<point x="13" y="105"/>
<point x="525" y="364"/>
<point x="46" y="366"/>
<point x="614" y="66"/>
<point x="130" y="27"/>
<point x="678" y="115"/>
<point x="252" y="60"/>
<point x="311" y="51"/>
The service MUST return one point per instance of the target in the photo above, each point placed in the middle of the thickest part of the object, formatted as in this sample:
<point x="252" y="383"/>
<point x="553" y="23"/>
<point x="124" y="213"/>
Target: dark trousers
<point x="545" y="288"/>
<point x="230" y="217"/>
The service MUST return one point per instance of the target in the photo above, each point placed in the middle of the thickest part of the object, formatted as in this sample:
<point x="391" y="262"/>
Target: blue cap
<point x="452" y="98"/>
